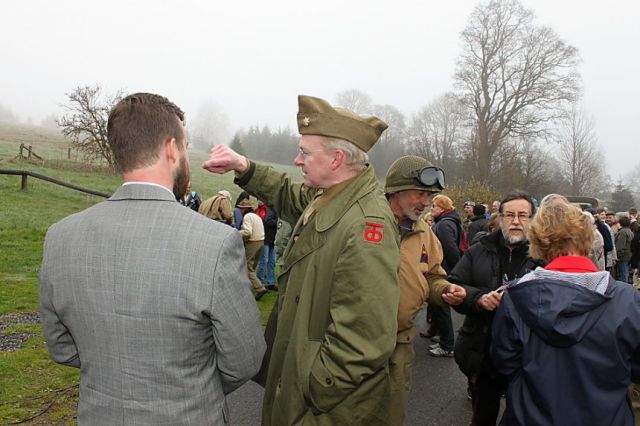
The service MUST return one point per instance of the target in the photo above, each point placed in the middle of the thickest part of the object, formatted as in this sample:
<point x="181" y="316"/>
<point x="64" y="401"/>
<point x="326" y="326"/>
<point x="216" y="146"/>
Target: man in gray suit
<point x="149" y="299"/>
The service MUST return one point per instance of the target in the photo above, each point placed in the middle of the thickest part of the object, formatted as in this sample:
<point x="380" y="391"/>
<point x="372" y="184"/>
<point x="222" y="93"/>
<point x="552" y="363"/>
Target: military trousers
<point x="400" y="373"/>
<point x="253" y="252"/>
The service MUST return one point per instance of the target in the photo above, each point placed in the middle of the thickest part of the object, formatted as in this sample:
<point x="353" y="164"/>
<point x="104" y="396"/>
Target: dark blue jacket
<point x="448" y="229"/>
<point x="570" y="352"/>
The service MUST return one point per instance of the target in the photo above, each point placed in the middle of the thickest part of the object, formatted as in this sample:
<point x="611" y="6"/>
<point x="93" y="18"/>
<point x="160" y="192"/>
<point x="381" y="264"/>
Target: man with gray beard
<point x="483" y="271"/>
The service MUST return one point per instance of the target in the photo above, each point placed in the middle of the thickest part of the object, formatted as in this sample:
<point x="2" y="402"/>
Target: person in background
<point x="495" y="207"/>
<point x="567" y="335"/>
<point x="218" y="207"/>
<point x="267" y="265"/>
<point x="252" y="231"/>
<point x="237" y="212"/>
<point x="597" y="249"/>
<point x="609" y="239"/>
<point x="448" y="230"/>
<point x="190" y="199"/>
<point x="468" y="214"/>
<point x="624" y="237"/>
<point x="129" y="293"/>
<point x="283" y="234"/>
<point x="479" y="222"/>
<point x="612" y="221"/>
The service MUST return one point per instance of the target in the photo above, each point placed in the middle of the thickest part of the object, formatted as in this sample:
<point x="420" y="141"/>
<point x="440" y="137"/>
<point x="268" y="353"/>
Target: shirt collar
<point x="148" y="183"/>
<point x="572" y="264"/>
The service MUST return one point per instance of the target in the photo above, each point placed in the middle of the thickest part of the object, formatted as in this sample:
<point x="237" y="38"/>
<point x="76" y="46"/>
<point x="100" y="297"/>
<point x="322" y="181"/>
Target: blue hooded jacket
<point x="570" y="346"/>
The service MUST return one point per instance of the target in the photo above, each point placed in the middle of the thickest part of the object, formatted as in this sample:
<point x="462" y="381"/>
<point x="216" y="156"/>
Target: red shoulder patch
<point x="373" y="232"/>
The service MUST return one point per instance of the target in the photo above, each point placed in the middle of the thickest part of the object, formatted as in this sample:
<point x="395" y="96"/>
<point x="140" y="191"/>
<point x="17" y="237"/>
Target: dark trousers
<point x="441" y="317"/>
<point x="485" y="398"/>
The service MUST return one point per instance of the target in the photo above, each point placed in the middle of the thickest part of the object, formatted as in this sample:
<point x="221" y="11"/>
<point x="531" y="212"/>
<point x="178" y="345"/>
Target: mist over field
<point x="245" y="62"/>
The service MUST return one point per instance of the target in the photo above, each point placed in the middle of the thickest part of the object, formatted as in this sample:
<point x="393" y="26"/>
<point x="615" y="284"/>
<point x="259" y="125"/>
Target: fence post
<point x="30" y="152"/>
<point x="23" y="183"/>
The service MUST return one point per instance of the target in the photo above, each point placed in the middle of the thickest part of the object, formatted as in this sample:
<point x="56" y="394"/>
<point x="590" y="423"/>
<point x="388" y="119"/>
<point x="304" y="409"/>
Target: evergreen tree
<point x="621" y="198"/>
<point x="236" y="145"/>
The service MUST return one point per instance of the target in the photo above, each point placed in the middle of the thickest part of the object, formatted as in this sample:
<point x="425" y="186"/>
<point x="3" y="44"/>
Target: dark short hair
<point x="624" y="221"/>
<point x="600" y="210"/>
<point x="518" y="195"/>
<point x="137" y="127"/>
<point x="633" y="210"/>
<point x="478" y="210"/>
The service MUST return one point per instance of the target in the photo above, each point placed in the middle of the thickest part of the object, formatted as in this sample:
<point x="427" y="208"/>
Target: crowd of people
<point x="156" y="303"/>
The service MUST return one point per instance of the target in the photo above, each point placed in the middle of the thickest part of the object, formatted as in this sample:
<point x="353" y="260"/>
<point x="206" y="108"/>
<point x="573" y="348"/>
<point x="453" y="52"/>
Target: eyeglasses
<point x="430" y="176"/>
<point x="522" y="216"/>
<point x="304" y="154"/>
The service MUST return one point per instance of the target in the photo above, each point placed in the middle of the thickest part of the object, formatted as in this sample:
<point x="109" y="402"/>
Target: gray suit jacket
<point x="152" y="302"/>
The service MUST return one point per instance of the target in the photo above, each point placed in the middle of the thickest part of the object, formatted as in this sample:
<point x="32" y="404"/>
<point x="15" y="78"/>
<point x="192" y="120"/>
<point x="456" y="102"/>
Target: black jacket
<point x="270" y="222"/>
<point x="484" y="267"/>
<point x="606" y="235"/>
<point x="478" y="223"/>
<point x="448" y="229"/>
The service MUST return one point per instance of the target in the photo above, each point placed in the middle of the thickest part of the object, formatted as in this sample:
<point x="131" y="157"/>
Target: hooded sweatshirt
<point x="568" y="337"/>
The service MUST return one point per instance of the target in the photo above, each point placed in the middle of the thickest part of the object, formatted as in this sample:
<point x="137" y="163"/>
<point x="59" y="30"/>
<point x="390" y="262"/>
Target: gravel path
<point x="13" y="341"/>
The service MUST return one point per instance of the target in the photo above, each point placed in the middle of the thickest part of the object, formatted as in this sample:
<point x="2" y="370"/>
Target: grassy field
<point x="30" y="383"/>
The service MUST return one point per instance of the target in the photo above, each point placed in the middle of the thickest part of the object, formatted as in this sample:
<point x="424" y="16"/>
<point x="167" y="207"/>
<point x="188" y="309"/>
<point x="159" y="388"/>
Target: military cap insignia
<point x="306" y="121"/>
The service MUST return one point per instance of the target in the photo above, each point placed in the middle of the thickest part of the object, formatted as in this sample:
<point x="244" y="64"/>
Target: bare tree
<point x="633" y="180"/>
<point x="85" y="121"/>
<point x="7" y="115"/>
<point x="355" y="100"/>
<point x="437" y="129"/>
<point x="580" y="157"/>
<point x="514" y="75"/>
<point x="210" y="126"/>
<point x="392" y="142"/>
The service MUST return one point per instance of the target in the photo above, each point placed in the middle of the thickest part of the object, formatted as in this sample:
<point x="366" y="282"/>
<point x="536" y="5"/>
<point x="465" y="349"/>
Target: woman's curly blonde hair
<point x="559" y="229"/>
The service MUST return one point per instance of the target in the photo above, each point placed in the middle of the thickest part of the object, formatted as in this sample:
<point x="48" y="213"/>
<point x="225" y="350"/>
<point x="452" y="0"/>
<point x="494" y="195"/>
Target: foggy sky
<point x="254" y="57"/>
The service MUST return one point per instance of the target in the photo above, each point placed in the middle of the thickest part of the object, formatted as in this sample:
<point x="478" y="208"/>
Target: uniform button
<point x="297" y="299"/>
<point x="328" y="380"/>
<point x="408" y="338"/>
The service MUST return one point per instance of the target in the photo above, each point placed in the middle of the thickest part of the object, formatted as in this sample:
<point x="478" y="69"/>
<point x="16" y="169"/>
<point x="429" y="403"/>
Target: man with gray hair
<point x="338" y="288"/>
<point x="484" y="269"/>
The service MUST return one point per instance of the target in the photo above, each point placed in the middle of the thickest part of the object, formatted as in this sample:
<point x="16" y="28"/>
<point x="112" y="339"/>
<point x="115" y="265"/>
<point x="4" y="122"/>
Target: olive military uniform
<point x="338" y="301"/>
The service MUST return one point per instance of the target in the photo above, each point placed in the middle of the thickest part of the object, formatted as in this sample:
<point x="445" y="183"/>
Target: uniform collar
<point x="343" y="197"/>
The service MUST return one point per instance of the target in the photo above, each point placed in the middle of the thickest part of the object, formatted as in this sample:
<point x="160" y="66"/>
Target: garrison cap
<point x="317" y="117"/>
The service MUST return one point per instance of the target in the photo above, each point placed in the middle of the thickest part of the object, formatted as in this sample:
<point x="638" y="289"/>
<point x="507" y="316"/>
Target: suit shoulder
<point x="75" y="219"/>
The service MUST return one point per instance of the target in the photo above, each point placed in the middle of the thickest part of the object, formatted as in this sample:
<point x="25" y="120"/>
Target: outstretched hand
<point x="454" y="295"/>
<point x="223" y="159"/>
<point x="490" y="301"/>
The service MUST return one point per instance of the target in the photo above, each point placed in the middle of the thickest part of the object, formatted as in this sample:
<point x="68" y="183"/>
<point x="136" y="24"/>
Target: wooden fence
<point x="26" y="173"/>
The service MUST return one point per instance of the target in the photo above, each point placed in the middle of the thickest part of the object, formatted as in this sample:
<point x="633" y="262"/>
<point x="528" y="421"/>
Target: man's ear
<point x="171" y="150"/>
<point x="338" y="159"/>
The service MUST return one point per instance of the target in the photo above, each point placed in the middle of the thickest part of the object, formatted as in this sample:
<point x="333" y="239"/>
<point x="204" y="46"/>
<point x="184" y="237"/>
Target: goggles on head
<point x="430" y="176"/>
